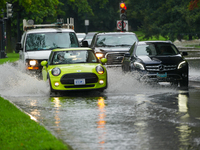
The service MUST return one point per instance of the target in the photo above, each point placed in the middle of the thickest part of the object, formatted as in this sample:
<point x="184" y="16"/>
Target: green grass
<point x="11" y="57"/>
<point x="18" y="131"/>
<point x="140" y="36"/>
<point x="195" y="46"/>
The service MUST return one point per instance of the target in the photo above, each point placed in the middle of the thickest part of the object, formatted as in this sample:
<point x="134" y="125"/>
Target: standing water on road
<point x="128" y="115"/>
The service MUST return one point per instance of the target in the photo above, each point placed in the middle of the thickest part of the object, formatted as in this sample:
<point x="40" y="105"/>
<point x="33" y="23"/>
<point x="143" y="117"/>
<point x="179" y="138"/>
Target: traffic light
<point x="9" y="10"/>
<point x="122" y="7"/>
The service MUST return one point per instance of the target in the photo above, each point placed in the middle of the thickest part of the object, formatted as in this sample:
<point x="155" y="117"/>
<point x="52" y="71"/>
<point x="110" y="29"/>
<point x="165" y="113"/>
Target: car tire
<point x="184" y="82"/>
<point x="175" y="83"/>
<point x="50" y="87"/>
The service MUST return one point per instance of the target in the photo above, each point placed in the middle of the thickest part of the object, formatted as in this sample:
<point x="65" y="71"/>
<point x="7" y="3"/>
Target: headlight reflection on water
<point x="101" y="123"/>
<point x="184" y="129"/>
<point x="57" y="106"/>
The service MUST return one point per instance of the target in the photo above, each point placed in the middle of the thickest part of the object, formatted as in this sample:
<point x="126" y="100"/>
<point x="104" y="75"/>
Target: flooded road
<point x="128" y="115"/>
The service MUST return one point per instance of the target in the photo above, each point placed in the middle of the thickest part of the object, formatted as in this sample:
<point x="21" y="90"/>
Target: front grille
<point x="69" y="78"/>
<point x="161" y="67"/>
<point x="80" y="86"/>
<point x="112" y="58"/>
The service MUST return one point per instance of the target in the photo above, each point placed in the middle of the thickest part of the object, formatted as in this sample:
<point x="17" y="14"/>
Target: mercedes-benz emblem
<point x="160" y="67"/>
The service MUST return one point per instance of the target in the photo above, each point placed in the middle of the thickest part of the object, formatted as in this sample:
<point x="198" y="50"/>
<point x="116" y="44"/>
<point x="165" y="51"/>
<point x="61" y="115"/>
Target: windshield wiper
<point x="106" y="46"/>
<point x="123" y="45"/>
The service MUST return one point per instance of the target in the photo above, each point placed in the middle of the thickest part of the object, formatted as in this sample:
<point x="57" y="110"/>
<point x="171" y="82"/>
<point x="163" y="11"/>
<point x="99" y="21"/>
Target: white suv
<point x="36" y="45"/>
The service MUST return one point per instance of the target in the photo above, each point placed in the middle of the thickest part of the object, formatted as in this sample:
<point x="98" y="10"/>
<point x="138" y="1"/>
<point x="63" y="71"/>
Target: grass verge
<point x="141" y="36"/>
<point x="18" y="131"/>
<point x="11" y="57"/>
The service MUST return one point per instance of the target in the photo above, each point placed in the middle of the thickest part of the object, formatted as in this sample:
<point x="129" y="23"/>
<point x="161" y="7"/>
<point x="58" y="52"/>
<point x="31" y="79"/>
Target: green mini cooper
<point x="74" y="69"/>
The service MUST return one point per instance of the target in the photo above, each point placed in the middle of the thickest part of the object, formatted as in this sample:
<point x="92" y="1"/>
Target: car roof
<point x="91" y="33"/>
<point x="153" y="42"/>
<point x="111" y="33"/>
<point x="72" y="49"/>
<point x="49" y="30"/>
<point x="81" y="33"/>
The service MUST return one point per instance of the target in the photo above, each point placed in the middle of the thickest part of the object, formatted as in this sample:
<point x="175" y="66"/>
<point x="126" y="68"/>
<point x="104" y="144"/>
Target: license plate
<point x="79" y="81"/>
<point x="162" y="75"/>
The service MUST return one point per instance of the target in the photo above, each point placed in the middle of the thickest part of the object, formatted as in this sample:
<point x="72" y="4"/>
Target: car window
<point x="71" y="57"/>
<point x="46" y="41"/>
<point x="116" y="40"/>
<point x="156" y="49"/>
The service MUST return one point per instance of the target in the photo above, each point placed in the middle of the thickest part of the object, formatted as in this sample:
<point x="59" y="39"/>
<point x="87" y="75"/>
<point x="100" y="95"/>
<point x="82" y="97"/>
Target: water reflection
<point x="184" y="129"/>
<point x="182" y="102"/>
<point x="101" y="123"/>
<point x="35" y="112"/>
<point x="57" y="106"/>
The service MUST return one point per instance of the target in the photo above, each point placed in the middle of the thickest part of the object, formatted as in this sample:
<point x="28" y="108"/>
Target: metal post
<point x="122" y="25"/>
<point x="2" y="48"/>
<point x="18" y="27"/>
<point x="1" y="36"/>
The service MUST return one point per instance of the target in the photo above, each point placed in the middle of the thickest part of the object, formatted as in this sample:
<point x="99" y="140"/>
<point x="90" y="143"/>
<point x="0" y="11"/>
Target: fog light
<point x="56" y="84"/>
<point x="101" y="81"/>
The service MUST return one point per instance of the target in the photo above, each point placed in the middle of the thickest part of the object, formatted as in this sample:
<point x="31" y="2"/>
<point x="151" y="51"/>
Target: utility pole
<point x="2" y="36"/>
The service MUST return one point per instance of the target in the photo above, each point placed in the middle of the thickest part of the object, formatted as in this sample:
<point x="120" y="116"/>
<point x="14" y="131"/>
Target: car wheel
<point x="184" y="82"/>
<point x="175" y="83"/>
<point x="50" y="87"/>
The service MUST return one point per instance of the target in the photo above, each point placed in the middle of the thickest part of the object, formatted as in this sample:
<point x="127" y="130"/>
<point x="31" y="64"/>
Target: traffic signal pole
<point x="122" y="25"/>
<point x="122" y="8"/>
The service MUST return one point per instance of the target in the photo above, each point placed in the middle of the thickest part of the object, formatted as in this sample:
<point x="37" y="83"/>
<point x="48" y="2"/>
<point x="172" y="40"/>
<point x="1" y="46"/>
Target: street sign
<point x="119" y="25"/>
<point x="87" y="22"/>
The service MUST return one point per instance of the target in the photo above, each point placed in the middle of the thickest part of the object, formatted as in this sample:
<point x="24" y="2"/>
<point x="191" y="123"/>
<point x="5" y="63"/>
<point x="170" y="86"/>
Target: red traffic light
<point x="122" y="5"/>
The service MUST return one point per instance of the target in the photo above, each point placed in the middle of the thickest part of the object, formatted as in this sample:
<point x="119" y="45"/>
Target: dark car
<point x="112" y="45"/>
<point x="158" y="61"/>
<point x="89" y="37"/>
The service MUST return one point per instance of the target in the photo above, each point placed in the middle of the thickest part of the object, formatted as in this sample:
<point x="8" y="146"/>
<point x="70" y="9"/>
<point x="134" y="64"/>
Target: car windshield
<point x="46" y="41"/>
<point x="80" y="35"/>
<point x="114" y="40"/>
<point x="89" y="36"/>
<point x="156" y="49"/>
<point x="71" y="57"/>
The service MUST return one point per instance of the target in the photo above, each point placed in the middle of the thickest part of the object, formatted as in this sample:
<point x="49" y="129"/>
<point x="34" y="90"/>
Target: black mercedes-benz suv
<point x="158" y="61"/>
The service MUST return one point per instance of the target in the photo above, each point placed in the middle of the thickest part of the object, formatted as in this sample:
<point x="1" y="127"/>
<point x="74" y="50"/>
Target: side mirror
<point x="104" y="60"/>
<point x="44" y="63"/>
<point x="85" y="44"/>
<point x="18" y="47"/>
<point x="184" y="53"/>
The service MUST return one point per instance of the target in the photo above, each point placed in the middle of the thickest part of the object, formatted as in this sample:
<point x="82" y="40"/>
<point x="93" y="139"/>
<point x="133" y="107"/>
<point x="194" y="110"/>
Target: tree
<point x="166" y="17"/>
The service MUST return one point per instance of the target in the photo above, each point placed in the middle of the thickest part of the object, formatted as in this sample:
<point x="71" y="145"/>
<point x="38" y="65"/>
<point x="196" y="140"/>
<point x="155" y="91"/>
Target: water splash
<point x="127" y="83"/>
<point x="16" y="82"/>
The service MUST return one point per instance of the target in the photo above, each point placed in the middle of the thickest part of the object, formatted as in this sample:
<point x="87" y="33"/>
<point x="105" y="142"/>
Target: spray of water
<point x="120" y="82"/>
<point x="16" y="82"/>
<point x="194" y="74"/>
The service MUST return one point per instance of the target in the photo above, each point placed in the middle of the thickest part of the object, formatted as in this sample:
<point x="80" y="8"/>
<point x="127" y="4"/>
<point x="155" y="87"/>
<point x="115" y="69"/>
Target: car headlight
<point x="32" y="62"/>
<point x="100" y="69"/>
<point x="56" y="71"/>
<point x="139" y="66"/>
<point x="99" y="55"/>
<point x="182" y="64"/>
